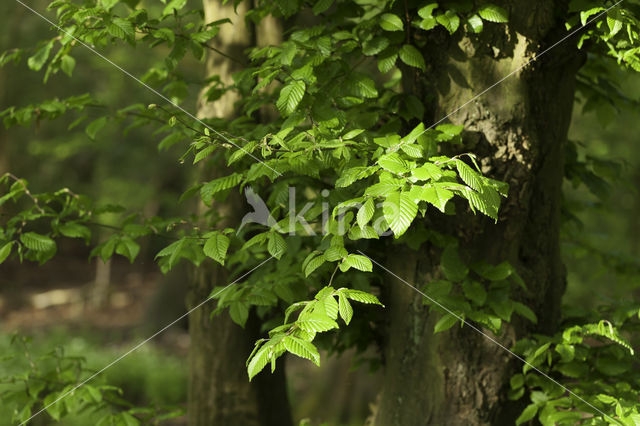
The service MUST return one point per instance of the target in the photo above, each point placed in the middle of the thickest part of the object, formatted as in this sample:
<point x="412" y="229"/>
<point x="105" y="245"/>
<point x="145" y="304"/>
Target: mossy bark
<point x="518" y="129"/>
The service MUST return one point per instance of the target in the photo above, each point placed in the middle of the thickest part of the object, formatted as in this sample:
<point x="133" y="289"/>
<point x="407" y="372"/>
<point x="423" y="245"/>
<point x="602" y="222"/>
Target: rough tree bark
<point x="219" y="391"/>
<point x="519" y="128"/>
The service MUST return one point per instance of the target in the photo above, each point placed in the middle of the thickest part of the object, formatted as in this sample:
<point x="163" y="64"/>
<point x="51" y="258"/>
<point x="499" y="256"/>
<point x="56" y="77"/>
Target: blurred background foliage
<point x="600" y="241"/>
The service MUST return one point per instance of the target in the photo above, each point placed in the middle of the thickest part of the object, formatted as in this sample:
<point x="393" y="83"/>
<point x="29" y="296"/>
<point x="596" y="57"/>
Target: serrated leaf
<point x="302" y="349"/>
<point x="290" y="96"/>
<point x="216" y="247"/>
<point x="391" y="22"/>
<point x="427" y="171"/>
<point x="493" y="13"/>
<point x="345" y="308"/>
<point x="209" y="189"/>
<point x="375" y="45"/>
<point x="37" y="242"/>
<point x="394" y="163"/>
<point x="449" y="20"/>
<point x="468" y="175"/>
<point x="399" y="210"/>
<point x="5" y="251"/>
<point x="313" y="264"/>
<point x="412" y="57"/>
<point x="476" y="24"/>
<point x="330" y="307"/>
<point x="365" y="212"/>
<point x="276" y="245"/>
<point x="361" y="296"/>
<point x="259" y="361"/>
<point x="359" y="262"/>
<point x="387" y="62"/>
<point x="317" y="323"/>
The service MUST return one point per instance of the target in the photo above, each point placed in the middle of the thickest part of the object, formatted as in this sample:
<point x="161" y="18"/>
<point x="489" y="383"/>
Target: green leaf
<point x="239" y="313"/>
<point x="412" y="57"/>
<point x="173" y="5"/>
<point x="436" y="195"/>
<point x="359" y="262"/>
<point x="375" y="45"/>
<point x="121" y="28"/>
<point x="365" y="212"/>
<point x="37" y="61"/>
<point x="527" y="414"/>
<point x="361" y="296"/>
<point x="446" y="322"/>
<point x="74" y="230"/>
<point x="37" y="242"/>
<point x="391" y="22"/>
<point x="54" y="405"/>
<point x="128" y="248"/>
<point x="5" y="251"/>
<point x="317" y="323"/>
<point x="313" y="264"/>
<point x="387" y="62"/>
<point x="475" y="292"/>
<point x="468" y="175"/>
<point x="613" y="22"/>
<point x="290" y="96"/>
<point x="426" y="12"/>
<point x="493" y="13"/>
<point x="346" y="311"/>
<point x="452" y="266"/>
<point x="67" y="64"/>
<point x="321" y="6"/>
<point x="216" y="247"/>
<point x="302" y="349"/>
<point x="259" y="361"/>
<point x="95" y="126"/>
<point x="210" y="189"/>
<point x="427" y="171"/>
<point x="475" y="23"/>
<point x="449" y="20"/>
<point x="399" y="210"/>
<point x="394" y="163"/>
<point x="276" y="245"/>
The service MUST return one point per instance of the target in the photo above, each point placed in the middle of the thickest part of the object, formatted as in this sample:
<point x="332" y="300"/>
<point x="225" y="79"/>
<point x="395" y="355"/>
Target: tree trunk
<point x="219" y="391"/>
<point x="518" y="130"/>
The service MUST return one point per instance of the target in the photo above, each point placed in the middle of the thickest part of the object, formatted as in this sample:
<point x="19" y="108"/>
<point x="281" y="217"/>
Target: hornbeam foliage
<point x="349" y="139"/>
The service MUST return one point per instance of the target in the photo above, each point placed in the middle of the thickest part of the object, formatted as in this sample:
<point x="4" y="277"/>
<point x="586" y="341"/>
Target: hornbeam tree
<point x="404" y="161"/>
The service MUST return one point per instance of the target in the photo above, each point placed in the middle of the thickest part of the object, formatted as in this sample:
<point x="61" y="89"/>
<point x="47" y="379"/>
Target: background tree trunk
<point x="519" y="130"/>
<point x="219" y="391"/>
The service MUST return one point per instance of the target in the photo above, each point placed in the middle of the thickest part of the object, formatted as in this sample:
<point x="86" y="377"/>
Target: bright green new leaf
<point x="359" y="262"/>
<point x="37" y="242"/>
<point x="493" y="13"/>
<point x="5" y="251"/>
<point x="216" y="247"/>
<point x="346" y="310"/>
<point x="302" y="349"/>
<point x="365" y="213"/>
<point x="399" y="210"/>
<point x="391" y="22"/>
<point x="394" y="163"/>
<point x="476" y="24"/>
<point x="276" y="245"/>
<point x="37" y="61"/>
